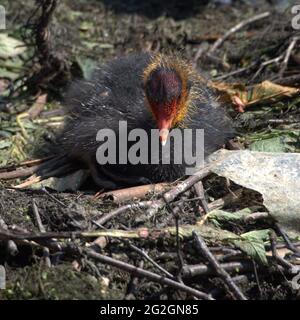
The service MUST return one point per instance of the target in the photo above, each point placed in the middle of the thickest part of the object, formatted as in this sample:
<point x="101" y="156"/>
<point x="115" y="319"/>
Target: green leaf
<point x="225" y="216"/>
<point x="4" y="144"/>
<point x="254" y="249"/>
<point x="252" y="243"/>
<point x="10" y="47"/>
<point x="276" y="144"/>
<point x="87" y="66"/>
<point x="257" y="235"/>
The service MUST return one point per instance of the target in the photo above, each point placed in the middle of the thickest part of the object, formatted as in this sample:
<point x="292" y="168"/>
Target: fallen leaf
<point x="243" y="97"/>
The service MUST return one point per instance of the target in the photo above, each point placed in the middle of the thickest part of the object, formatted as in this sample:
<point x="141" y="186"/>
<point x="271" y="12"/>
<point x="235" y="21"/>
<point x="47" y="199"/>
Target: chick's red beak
<point x="164" y="126"/>
<point x="164" y="115"/>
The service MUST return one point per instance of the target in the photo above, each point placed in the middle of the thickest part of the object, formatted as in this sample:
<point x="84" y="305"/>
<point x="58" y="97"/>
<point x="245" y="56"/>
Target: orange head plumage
<point x="167" y="84"/>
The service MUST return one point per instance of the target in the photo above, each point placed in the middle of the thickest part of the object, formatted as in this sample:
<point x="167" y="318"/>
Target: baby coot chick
<point x="147" y="91"/>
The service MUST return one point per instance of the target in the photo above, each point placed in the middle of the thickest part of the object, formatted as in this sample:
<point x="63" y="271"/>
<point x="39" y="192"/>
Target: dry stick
<point x="288" y="81"/>
<point x="218" y="268"/>
<point x="64" y="169"/>
<point x="21" y="165"/>
<point x="199" y="53"/>
<point x="42" y="230"/>
<point x="142" y="253"/>
<point x="176" y="217"/>
<point x="200" y="193"/>
<point x="147" y="274"/>
<point x="18" y="173"/>
<point x="236" y="28"/>
<point x="122" y="209"/>
<point x="235" y="72"/>
<point x="257" y="278"/>
<point x="54" y="198"/>
<point x="37" y="217"/>
<point x="169" y="196"/>
<point x="275" y="255"/>
<point x="228" y="199"/>
<point x="38" y="165"/>
<point x="122" y="195"/>
<point x="264" y="64"/>
<point x="190" y="271"/>
<point x="188" y="183"/>
<point x="256" y="216"/>
<point x="287" y="240"/>
<point x="287" y="56"/>
<point x="147" y="257"/>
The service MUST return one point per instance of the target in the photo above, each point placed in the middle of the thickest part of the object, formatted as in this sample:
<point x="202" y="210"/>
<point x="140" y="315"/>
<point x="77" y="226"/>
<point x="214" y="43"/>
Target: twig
<point x="257" y="278"/>
<point x="288" y="81"/>
<point x="275" y="255"/>
<point x="37" y="217"/>
<point x="226" y="200"/>
<point x="42" y="167"/>
<point x="125" y="194"/>
<point x="236" y="28"/>
<point x="54" y="198"/>
<point x="147" y="257"/>
<point x="235" y="72"/>
<point x="176" y="217"/>
<point x="147" y="274"/>
<point x="287" y="56"/>
<point x="123" y="209"/>
<point x="42" y="229"/>
<point x="199" y="190"/>
<point x="218" y="268"/>
<point x="287" y="240"/>
<point x="190" y="271"/>
<point x="155" y="205"/>
<point x="27" y="163"/>
<point x="264" y="64"/>
<point x="18" y="173"/>
<point x="188" y="183"/>
<point x="201" y="50"/>
<point x="256" y="216"/>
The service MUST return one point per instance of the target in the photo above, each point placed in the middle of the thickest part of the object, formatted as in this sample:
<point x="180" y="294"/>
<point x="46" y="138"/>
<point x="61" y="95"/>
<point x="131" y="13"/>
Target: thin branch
<point x="146" y="274"/>
<point x="147" y="257"/>
<point x="218" y="268"/>
<point x="236" y="28"/>
<point x="42" y="229"/>
<point x="275" y="255"/>
<point x="287" y="56"/>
